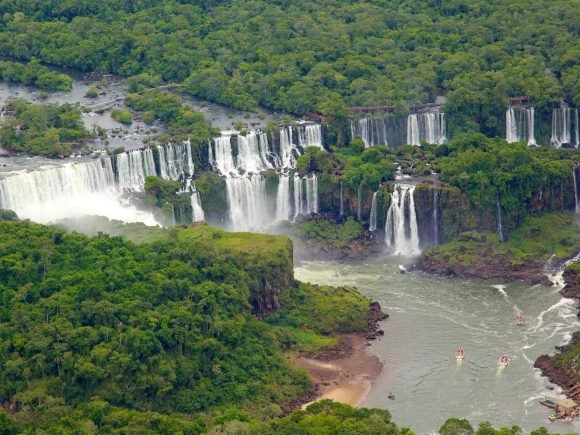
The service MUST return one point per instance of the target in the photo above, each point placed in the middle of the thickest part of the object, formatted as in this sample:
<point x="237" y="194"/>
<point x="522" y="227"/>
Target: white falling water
<point x="247" y="204"/>
<point x="288" y="150"/>
<point x="305" y="195"/>
<point x="133" y="167"/>
<point x="372" y="131"/>
<point x="253" y="152"/>
<point x="283" y="199"/>
<point x="71" y="190"/>
<point x="564" y="120"/>
<point x="373" y="217"/>
<point x="93" y="187"/>
<point x="427" y="127"/>
<point x="401" y="230"/>
<point x="310" y="135"/>
<point x="520" y="125"/>
<point x="413" y="130"/>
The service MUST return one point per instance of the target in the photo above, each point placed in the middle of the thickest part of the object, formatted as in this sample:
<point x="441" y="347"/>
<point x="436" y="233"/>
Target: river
<point x="430" y="317"/>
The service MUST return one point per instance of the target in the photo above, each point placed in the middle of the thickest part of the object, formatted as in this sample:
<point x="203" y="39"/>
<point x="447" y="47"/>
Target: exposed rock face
<point x="555" y="372"/>
<point x="375" y="316"/>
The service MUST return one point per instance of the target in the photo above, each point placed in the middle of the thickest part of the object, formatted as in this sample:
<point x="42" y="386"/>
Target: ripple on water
<point x="430" y="317"/>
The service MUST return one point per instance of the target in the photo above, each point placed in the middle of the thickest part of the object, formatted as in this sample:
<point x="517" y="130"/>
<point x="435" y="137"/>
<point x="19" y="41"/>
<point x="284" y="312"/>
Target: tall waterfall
<point x="372" y="131"/>
<point x="413" y="130"/>
<point x="247" y="203"/>
<point x="401" y="230"/>
<point x="520" y="125"/>
<point x="564" y="121"/>
<point x="428" y="127"/>
<point x="436" y="217"/>
<point x="305" y="195"/>
<point x="576" y="209"/>
<point x="499" y="220"/>
<point x="198" y="214"/>
<point x="133" y="167"/>
<point x="310" y="135"/>
<point x="283" y="199"/>
<point x="373" y="217"/>
<point x="242" y="159"/>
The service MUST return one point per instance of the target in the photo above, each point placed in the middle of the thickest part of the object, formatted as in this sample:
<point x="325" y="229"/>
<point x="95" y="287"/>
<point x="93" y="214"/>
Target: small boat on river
<point x="519" y="320"/>
<point x="459" y="353"/>
<point x="504" y="360"/>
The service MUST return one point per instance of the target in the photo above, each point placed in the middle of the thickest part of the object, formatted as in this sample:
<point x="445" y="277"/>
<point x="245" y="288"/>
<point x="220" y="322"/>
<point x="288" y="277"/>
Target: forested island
<point x="205" y="208"/>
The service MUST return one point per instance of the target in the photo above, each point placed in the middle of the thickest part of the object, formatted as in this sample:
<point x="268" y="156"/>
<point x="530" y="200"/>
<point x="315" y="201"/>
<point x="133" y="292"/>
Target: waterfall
<point x="531" y="132"/>
<point x="288" y="150"/>
<point x="297" y="195"/>
<point x="341" y="200"/>
<point x="372" y="131"/>
<point x="413" y="130"/>
<point x="373" y="217"/>
<point x="519" y="125"/>
<point x="197" y="211"/>
<point x="436" y="217"/>
<point x="564" y="119"/>
<point x="576" y="209"/>
<point x="132" y="169"/>
<point x="253" y="151"/>
<point x="402" y="233"/>
<point x="283" y="199"/>
<point x="247" y="203"/>
<point x="310" y="135"/>
<point x="499" y="223"/>
<point x="221" y="157"/>
<point x="313" y="193"/>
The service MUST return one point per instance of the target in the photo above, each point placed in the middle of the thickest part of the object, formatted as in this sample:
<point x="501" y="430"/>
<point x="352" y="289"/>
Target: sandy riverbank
<point x="346" y="374"/>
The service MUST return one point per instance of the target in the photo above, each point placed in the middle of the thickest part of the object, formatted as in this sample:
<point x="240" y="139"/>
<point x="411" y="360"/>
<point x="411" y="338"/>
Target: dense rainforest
<point x="301" y="56"/>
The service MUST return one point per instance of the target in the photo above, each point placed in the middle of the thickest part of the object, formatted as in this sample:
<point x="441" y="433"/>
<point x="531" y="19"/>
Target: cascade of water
<point x="253" y="151"/>
<point x="576" y="209"/>
<point x="313" y="193"/>
<point x="531" y="132"/>
<point x="341" y="200"/>
<point x="312" y="136"/>
<point x="247" y="203"/>
<point x="435" y="216"/>
<point x="519" y="123"/>
<point x="132" y="169"/>
<point x="372" y="131"/>
<point x="373" y="217"/>
<point x="402" y="233"/>
<point x="297" y="195"/>
<point x="162" y="163"/>
<point x="499" y="223"/>
<point x="197" y="211"/>
<point x="413" y="130"/>
<point x="429" y="127"/>
<point x="563" y="120"/>
<point x="442" y="138"/>
<point x="221" y="157"/>
<point x="511" y="133"/>
<point x="283" y="199"/>
<point x="288" y="150"/>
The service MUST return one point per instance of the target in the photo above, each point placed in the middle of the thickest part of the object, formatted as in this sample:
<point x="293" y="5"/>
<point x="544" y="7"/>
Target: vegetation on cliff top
<point x="105" y="333"/>
<point x="302" y="55"/>
<point x="527" y="249"/>
<point x="51" y="130"/>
